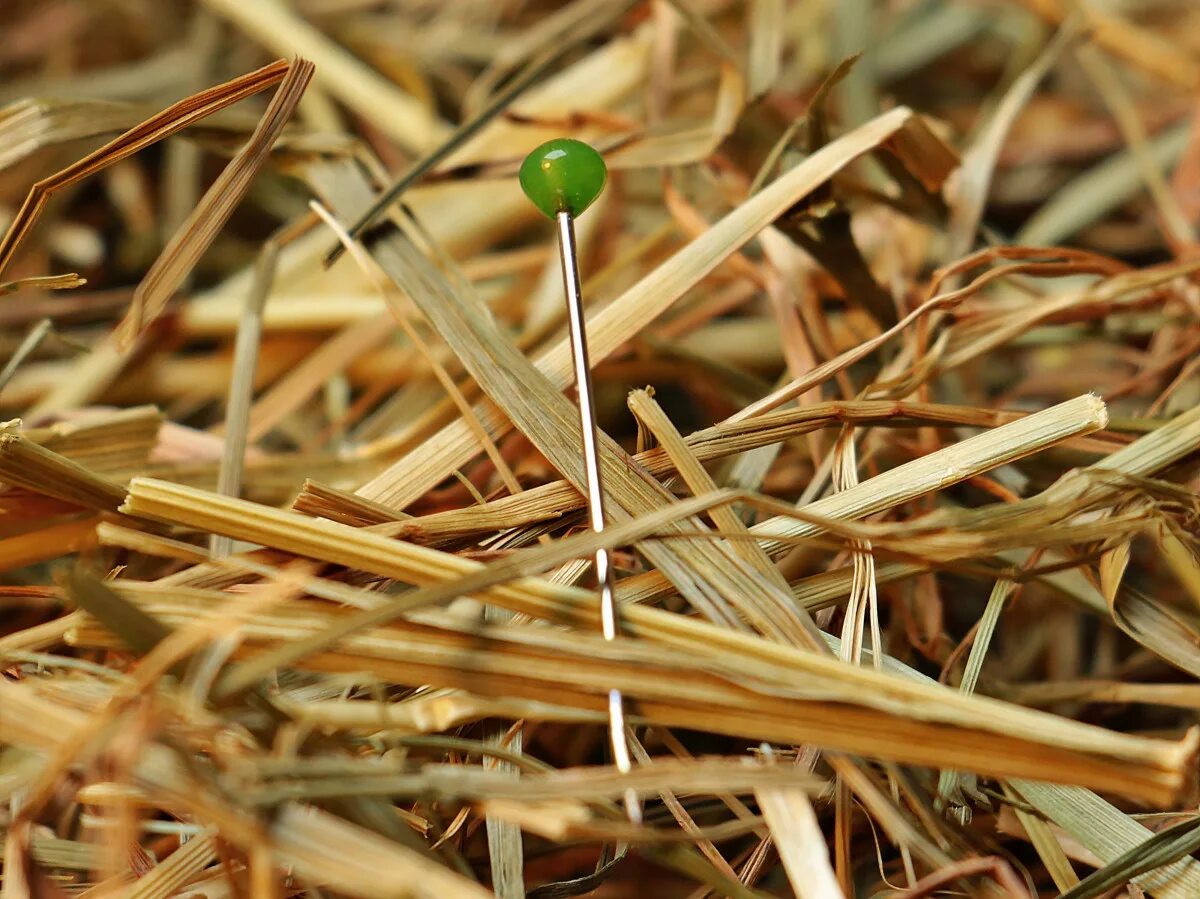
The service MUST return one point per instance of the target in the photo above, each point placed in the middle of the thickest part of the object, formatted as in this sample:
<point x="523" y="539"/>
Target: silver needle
<point x="595" y="489"/>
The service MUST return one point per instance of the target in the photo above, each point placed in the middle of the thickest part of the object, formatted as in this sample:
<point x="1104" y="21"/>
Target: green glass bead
<point x="563" y="175"/>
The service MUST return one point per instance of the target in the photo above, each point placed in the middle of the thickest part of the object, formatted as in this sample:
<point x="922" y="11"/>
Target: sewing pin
<point x="562" y="178"/>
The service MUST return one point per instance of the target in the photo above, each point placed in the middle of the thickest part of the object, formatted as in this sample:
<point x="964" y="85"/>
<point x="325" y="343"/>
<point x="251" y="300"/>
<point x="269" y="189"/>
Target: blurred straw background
<point x="894" y="309"/>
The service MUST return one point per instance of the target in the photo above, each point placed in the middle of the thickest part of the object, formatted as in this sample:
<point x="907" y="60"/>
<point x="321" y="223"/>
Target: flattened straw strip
<point x="690" y="777"/>
<point x="559" y="497"/>
<point x="323" y="848"/>
<point x="177" y="870"/>
<point x="950" y="465"/>
<point x="454" y="445"/>
<point x="360" y="87"/>
<point x="831" y="704"/>
<point x="573" y="606"/>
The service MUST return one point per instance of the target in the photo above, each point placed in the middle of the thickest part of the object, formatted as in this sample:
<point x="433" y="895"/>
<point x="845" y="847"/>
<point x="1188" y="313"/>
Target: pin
<point x="563" y="178"/>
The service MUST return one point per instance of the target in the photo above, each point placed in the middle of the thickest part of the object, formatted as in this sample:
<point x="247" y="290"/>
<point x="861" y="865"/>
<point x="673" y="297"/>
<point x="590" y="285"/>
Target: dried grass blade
<point x="687" y="777"/>
<point x="361" y="88"/>
<point x="546" y="417"/>
<point x="765" y="51"/>
<point x="1160" y="850"/>
<point x="1047" y="846"/>
<point x="1101" y="188"/>
<point x="200" y="228"/>
<point x="325" y="849"/>
<point x="171" y="120"/>
<point x="1109" y="833"/>
<point x="177" y="870"/>
<point x="249" y="334"/>
<point x="410" y="477"/>
<point x="137" y="629"/>
<point x="800" y="842"/>
<point x="975" y="175"/>
<point x="28" y="345"/>
<point x="952" y="464"/>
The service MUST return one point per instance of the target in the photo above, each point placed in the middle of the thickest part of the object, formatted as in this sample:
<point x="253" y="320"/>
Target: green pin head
<point x="563" y="175"/>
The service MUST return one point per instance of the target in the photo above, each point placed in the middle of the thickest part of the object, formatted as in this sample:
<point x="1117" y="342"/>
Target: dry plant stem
<point x="690" y="777"/>
<point x="36" y="468"/>
<point x="589" y="435"/>
<point x="31" y="342"/>
<point x="326" y="849"/>
<point x="43" y="544"/>
<point x="1006" y="879"/>
<point x="364" y="261"/>
<point x="205" y="222"/>
<point x="179" y="869"/>
<point x="505" y="847"/>
<point x="171" y="120"/>
<point x="1046" y="843"/>
<point x="452" y="447"/>
<point x="948" y="781"/>
<point x="559" y="497"/>
<point x="863" y="601"/>
<point x="361" y="88"/>
<point x="799" y="840"/>
<point x="950" y="465"/>
<point x="750" y="694"/>
<point x="349" y="546"/>
<point x="241" y="384"/>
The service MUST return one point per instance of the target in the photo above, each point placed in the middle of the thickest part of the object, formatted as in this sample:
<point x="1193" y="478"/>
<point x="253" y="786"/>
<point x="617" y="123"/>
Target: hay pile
<point x="895" y="325"/>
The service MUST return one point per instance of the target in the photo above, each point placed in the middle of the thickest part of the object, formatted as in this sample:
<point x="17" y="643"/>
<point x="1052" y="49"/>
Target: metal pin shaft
<point x="595" y="488"/>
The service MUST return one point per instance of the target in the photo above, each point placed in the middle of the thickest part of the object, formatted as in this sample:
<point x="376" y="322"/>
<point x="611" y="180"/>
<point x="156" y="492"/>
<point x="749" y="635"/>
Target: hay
<point x="893" y="319"/>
